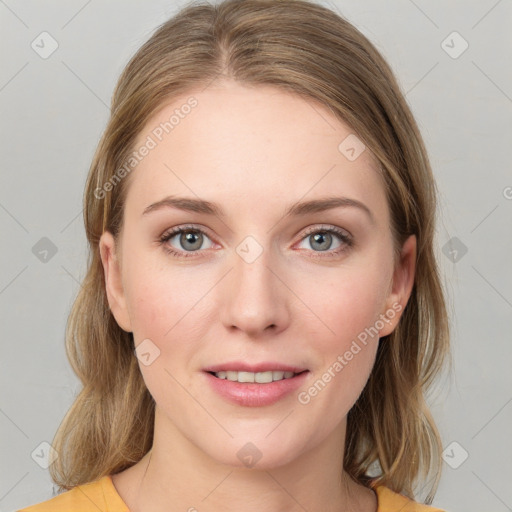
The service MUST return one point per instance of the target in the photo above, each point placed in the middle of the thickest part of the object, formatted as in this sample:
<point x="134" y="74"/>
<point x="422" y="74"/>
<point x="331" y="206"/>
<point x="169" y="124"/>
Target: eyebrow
<point x="191" y="204"/>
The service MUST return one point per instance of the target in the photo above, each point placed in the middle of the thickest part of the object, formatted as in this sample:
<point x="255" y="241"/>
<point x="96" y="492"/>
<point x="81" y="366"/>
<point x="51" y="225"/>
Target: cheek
<point x="151" y="305"/>
<point x="167" y="306"/>
<point x="345" y="358"/>
<point x="346" y="336"/>
<point x="349" y="301"/>
<point x="349" y="351"/>
<point x="164" y="310"/>
<point x="157" y="297"/>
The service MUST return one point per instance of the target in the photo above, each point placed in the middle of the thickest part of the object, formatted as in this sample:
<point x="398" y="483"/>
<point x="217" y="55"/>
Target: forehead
<point x="251" y="145"/>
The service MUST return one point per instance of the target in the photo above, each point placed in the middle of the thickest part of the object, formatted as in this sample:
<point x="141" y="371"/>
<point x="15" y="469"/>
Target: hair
<point x="308" y="50"/>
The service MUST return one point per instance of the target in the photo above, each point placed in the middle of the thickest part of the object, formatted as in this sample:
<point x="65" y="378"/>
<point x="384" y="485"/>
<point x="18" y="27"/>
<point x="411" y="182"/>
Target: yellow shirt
<point x="102" y="496"/>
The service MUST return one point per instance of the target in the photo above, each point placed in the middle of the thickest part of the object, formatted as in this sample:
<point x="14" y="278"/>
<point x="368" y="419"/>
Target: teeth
<point x="259" y="377"/>
<point x="245" y="377"/>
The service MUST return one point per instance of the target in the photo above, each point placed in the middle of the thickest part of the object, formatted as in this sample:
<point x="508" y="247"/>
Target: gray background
<point x="54" y="111"/>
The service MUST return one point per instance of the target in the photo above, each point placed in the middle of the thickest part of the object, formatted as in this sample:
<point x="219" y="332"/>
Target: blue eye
<point x="191" y="239"/>
<point x="322" y="238"/>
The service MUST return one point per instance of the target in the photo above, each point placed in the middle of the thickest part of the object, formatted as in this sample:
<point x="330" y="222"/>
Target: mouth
<point x="254" y="385"/>
<point x="255" y="377"/>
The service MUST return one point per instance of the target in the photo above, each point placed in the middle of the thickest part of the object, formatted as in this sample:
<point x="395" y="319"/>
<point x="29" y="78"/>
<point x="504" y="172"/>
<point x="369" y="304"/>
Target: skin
<point x="245" y="147"/>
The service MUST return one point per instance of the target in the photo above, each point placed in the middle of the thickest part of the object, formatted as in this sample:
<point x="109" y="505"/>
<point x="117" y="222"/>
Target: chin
<point x="257" y="452"/>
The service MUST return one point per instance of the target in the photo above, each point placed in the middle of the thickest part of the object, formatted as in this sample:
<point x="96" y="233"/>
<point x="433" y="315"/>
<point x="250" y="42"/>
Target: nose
<point x="255" y="297"/>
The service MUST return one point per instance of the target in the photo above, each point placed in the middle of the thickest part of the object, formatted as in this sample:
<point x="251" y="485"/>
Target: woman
<point x="281" y="360"/>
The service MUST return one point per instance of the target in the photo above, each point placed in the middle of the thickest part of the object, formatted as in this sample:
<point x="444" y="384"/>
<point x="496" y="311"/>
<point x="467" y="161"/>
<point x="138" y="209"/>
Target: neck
<point x="176" y="476"/>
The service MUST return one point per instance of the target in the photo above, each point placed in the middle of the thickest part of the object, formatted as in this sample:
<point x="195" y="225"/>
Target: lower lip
<point x="255" y="395"/>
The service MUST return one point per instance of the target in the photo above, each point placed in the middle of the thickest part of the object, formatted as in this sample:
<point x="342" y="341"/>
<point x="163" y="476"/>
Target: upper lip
<point x="254" y="368"/>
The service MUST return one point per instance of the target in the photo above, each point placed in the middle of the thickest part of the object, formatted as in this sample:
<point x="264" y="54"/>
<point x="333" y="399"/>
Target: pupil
<point x="189" y="237"/>
<point x="322" y="237"/>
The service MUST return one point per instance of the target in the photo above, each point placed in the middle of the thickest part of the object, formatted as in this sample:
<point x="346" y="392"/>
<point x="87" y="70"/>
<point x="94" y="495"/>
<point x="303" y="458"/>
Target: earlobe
<point x="113" y="282"/>
<point x="401" y="289"/>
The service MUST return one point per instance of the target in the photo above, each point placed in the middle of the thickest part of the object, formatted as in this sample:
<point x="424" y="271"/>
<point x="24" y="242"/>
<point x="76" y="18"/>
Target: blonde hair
<point x="309" y="50"/>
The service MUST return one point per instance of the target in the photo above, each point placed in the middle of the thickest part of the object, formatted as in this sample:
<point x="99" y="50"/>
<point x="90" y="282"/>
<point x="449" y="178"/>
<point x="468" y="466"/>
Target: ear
<point x="113" y="281"/>
<point x="401" y="288"/>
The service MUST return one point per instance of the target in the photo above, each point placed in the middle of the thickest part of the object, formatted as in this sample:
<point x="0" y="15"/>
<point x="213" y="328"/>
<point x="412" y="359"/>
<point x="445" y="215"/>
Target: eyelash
<point x="345" y="239"/>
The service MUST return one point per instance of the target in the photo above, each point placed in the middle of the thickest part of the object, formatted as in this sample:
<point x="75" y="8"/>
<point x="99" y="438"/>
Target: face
<point x="249" y="286"/>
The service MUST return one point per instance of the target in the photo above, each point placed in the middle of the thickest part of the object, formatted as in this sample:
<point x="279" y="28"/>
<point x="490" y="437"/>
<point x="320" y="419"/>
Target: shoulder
<point x="390" y="501"/>
<point x="90" y="497"/>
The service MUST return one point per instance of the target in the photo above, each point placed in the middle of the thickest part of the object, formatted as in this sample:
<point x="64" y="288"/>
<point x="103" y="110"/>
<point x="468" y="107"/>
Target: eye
<point x="189" y="239"/>
<point x="321" y="240"/>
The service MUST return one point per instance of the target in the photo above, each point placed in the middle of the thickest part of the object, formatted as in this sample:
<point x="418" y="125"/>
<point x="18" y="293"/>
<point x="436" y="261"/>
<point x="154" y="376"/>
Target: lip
<point x="253" y="394"/>
<point x="242" y="366"/>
